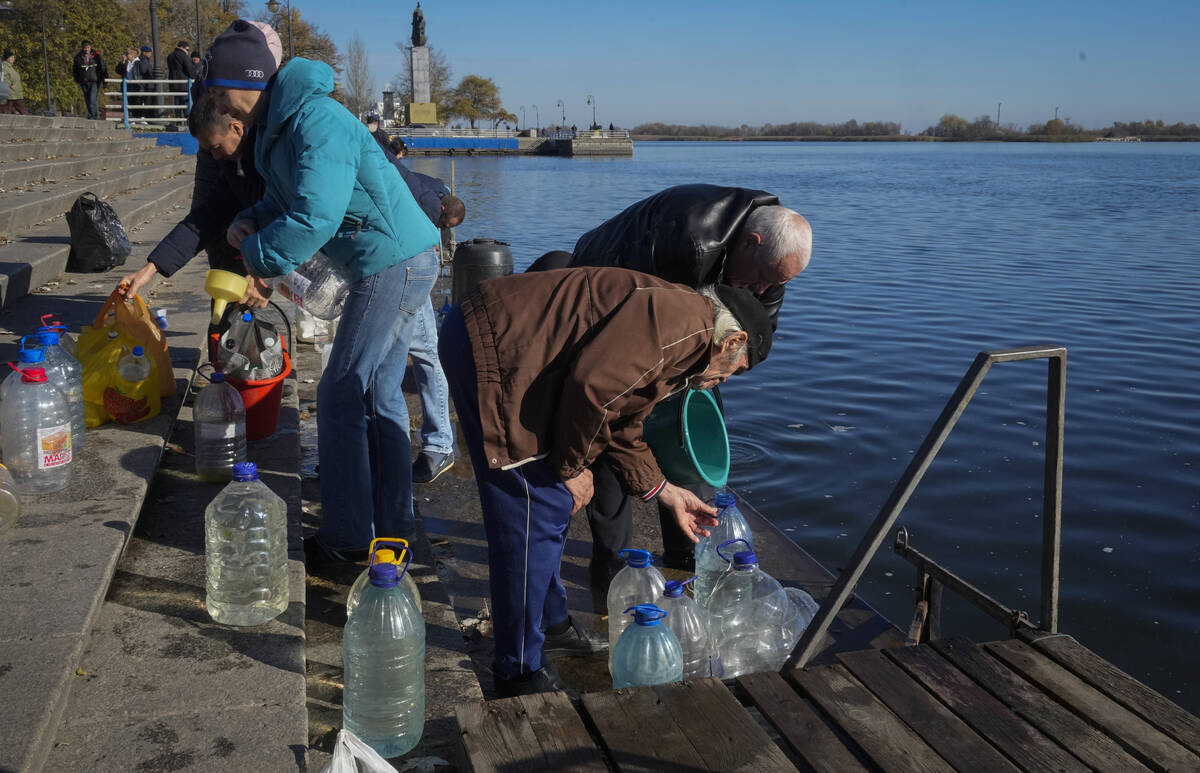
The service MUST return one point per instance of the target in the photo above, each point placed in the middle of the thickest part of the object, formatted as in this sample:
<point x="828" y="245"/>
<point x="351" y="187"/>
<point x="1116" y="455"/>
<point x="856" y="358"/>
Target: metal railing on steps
<point x="151" y="106"/>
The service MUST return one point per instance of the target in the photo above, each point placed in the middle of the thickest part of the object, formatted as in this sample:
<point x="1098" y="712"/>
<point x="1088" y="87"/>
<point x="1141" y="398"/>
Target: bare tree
<point x="360" y="84"/>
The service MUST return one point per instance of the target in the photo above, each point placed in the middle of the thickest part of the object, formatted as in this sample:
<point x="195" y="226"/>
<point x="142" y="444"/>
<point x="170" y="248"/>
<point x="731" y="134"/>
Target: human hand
<point x="130" y="284"/>
<point x="581" y="489"/>
<point x="238" y="230"/>
<point x="691" y="513"/>
<point x="257" y="293"/>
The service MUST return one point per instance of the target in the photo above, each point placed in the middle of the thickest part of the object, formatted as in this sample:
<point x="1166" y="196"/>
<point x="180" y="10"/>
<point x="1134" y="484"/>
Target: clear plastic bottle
<point x="689" y="622"/>
<point x="731" y="524"/>
<point x="220" y="420"/>
<point x="65" y="372"/>
<point x="37" y="433"/>
<point x="65" y="339"/>
<point x="747" y="611"/>
<point x="647" y="653"/>
<point x="319" y="286"/>
<point x="639" y="582"/>
<point x="10" y="502"/>
<point x="383" y="656"/>
<point x="135" y="396"/>
<point x="238" y="349"/>
<point x="383" y="555"/>
<point x="245" y="529"/>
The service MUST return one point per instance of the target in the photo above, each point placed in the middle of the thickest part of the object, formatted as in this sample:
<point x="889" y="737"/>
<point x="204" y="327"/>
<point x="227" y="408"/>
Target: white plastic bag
<point x="354" y="756"/>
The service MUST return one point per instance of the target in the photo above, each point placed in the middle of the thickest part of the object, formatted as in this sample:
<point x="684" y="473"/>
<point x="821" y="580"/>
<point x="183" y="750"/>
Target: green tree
<point x="309" y="40"/>
<point x="476" y="98"/>
<point x="1054" y="126"/>
<point x="177" y="21"/>
<point x="441" y="90"/>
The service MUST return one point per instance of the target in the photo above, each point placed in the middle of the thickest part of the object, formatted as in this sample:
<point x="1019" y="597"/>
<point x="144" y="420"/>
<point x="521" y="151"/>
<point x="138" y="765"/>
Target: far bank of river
<point x="911" y="138"/>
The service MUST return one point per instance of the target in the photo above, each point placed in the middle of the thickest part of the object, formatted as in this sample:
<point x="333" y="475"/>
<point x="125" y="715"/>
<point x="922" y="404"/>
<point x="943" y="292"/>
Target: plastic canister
<point x="475" y="261"/>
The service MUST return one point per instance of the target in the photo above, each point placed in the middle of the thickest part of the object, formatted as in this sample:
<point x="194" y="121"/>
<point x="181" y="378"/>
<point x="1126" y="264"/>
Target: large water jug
<point x="65" y="372"/>
<point x="10" y="502"/>
<point x="647" y="653"/>
<point x="220" y="420"/>
<point x="747" y="610"/>
<point x="135" y="396"/>
<point x="383" y="655"/>
<point x="245" y="529"/>
<point x="396" y="554"/>
<point x="689" y="622"/>
<point x="65" y="339"/>
<point x="319" y="286"/>
<point x="731" y="524"/>
<point x="638" y="582"/>
<point x="36" y="442"/>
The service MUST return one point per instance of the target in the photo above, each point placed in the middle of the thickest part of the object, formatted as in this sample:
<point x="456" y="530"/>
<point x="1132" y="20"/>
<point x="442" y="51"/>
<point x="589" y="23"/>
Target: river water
<point x="925" y="255"/>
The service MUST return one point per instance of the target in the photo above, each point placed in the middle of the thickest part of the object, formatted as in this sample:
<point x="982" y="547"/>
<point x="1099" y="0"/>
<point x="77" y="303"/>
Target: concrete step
<point x="40" y="255"/>
<point x="60" y="556"/>
<point x="101" y="130"/>
<point x="26" y="173"/>
<point x="53" y="122"/>
<point x="32" y="150"/>
<point x="23" y="209"/>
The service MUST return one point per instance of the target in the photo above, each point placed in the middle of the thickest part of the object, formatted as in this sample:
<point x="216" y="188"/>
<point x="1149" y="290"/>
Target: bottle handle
<point x="395" y="542"/>
<point x="727" y="559"/>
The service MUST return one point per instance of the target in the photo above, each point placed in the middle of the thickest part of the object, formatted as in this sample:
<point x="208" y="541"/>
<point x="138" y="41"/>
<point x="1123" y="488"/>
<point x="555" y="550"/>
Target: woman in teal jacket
<point x="330" y="188"/>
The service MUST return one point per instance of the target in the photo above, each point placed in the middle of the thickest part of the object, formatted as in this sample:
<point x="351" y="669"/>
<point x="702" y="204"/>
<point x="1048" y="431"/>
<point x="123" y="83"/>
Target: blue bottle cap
<point x="637" y="558"/>
<point x="646" y="614"/>
<point x="217" y="377"/>
<point x="47" y="337"/>
<point x="384" y="575"/>
<point x="138" y="351"/>
<point x="247" y="317"/>
<point x="32" y="355"/>
<point x="724" y="499"/>
<point x="674" y="588"/>
<point x="744" y="558"/>
<point x="244" y="471"/>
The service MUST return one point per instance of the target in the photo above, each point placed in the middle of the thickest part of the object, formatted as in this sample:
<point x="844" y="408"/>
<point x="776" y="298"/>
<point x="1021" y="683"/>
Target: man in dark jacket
<point x="90" y="73"/>
<point x="180" y="68"/>
<point x="548" y="370"/>
<point x="696" y="235"/>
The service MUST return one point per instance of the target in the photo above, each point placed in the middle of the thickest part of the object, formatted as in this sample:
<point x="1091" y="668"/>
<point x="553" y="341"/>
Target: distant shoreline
<point x="899" y="138"/>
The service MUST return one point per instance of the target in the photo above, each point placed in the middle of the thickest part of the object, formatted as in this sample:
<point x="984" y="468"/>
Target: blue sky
<point x="767" y="61"/>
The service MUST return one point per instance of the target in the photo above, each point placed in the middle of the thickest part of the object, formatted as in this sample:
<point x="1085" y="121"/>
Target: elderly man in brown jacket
<point x="547" y="371"/>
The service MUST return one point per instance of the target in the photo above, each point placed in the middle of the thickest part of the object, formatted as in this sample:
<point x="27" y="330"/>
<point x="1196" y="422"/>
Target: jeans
<point x="90" y="98"/>
<point x="437" y="434"/>
<point x="362" y="418"/>
<point x="526" y="512"/>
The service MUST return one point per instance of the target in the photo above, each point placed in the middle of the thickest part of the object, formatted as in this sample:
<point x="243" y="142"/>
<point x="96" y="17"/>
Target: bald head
<point x="775" y="244"/>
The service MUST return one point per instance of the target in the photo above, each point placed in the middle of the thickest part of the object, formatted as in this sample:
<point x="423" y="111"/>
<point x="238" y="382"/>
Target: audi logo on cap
<point x="255" y="73"/>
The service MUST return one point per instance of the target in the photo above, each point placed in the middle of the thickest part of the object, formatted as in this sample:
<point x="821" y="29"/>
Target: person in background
<point x="330" y="188"/>
<point x="90" y="73"/>
<point x="373" y="125"/>
<point x="180" y="68"/>
<point x="697" y="235"/>
<point x="398" y="147"/>
<point x="16" y="92"/>
<point x="196" y="60"/>
<point x="125" y="69"/>
<point x="548" y="370"/>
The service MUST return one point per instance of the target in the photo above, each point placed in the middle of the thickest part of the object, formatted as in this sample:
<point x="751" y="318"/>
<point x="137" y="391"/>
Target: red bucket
<point x="261" y="397"/>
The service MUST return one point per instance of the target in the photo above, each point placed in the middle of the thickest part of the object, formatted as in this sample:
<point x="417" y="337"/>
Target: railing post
<point x="189" y="97"/>
<point x="1056" y="395"/>
<point x="125" y="101"/>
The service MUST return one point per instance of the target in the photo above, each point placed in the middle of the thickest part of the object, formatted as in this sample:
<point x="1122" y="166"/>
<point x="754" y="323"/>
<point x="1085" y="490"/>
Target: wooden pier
<point x="1026" y="704"/>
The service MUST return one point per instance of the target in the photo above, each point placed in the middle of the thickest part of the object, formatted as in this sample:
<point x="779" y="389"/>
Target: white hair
<point x="724" y="323"/>
<point x="782" y="233"/>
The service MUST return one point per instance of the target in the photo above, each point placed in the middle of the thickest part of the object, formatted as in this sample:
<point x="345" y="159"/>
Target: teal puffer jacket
<point x="329" y="186"/>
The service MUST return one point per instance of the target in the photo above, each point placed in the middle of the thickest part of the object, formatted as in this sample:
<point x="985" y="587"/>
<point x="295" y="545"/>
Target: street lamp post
<point x="559" y="103"/>
<point x="273" y="7"/>
<point x="522" y="117"/>
<point x="998" y="114"/>
<point x="592" y="101"/>
<point x="537" y="117"/>
<point x="154" y="39"/>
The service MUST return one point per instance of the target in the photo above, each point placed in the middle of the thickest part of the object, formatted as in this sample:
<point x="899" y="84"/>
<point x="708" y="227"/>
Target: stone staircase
<point x="84" y="572"/>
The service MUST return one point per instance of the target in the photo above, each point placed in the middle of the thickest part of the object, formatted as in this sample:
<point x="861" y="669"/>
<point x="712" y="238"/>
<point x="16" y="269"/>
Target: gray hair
<point x="724" y="323"/>
<point x="781" y="232"/>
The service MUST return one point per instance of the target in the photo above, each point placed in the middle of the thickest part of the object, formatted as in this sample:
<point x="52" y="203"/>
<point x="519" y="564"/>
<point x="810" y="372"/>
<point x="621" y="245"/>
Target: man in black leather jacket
<point x="696" y="235"/>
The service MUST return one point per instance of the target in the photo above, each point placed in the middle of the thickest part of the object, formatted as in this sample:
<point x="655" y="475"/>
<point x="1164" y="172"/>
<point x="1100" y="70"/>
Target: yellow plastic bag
<point x="130" y="402"/>
<point x="133" y="318"/>
<point x="99" y="350"/>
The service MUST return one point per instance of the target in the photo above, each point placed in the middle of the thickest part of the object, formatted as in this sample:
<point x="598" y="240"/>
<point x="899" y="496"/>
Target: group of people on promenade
<point x="551" y="371"/>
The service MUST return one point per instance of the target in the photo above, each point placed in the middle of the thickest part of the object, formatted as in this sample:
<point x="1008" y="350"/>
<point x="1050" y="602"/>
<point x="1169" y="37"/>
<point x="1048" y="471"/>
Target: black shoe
<point x="576" y="641"/>
<point x="545" y="679"/>
<point x="429" y="467"/>
<point x="317" y="555"/>
<point x="684" y="559"/>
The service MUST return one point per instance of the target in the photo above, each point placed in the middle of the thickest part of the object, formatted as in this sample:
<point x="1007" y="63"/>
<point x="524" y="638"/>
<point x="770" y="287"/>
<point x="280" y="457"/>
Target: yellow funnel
<point x="224" y="287"/>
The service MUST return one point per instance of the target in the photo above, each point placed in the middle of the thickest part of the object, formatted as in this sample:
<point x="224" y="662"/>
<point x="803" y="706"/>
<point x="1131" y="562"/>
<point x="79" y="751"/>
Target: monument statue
<point x="418" y="25"/>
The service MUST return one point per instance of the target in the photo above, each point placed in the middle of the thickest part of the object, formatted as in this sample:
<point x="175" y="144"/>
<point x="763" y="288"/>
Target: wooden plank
<point x="880" y="733"/>
<point x="1155" y="708"/>
<point x="948" y="735"/>
<point x="1020" y="742"/>
<point x="720" y="729"/>
<point x="496" y="736"/>
<point x="1143" y="740"/>
<point x="565" y="742"/>
<point x="799" y="724"/>
<point x="639" y="735"/>
<point x="1035" y="707"/>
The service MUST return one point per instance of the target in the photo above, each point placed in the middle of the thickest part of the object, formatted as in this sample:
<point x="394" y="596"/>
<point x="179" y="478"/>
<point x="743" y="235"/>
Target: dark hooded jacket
<point x="179" y="65"/>
<point x="89" y="69"/>
<point x="682" y="234"/>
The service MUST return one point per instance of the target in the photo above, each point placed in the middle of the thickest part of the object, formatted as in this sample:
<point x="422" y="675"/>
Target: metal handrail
<point x="1056" y="386"/>
<point x="158" y="106"/>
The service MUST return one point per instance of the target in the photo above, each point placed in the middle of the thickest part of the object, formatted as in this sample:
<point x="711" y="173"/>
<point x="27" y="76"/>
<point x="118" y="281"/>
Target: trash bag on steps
<point x="98" y="240"/>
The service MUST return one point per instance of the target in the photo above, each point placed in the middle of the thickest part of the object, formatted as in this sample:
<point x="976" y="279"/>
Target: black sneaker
<point x="545" y="679"/>
<point x="429" y="467"/>
<point x="576" y="641"/>
<point x="317" y="555"/>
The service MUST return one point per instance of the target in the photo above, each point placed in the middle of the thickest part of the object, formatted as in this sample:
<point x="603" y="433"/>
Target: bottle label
<point x="294" y="286"/>
<point x="54" y="446"/>
<point x="218" y="431"/>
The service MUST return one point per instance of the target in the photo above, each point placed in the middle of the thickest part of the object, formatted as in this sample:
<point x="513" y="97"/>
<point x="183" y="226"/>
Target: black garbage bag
<point x="98" y="240"/>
